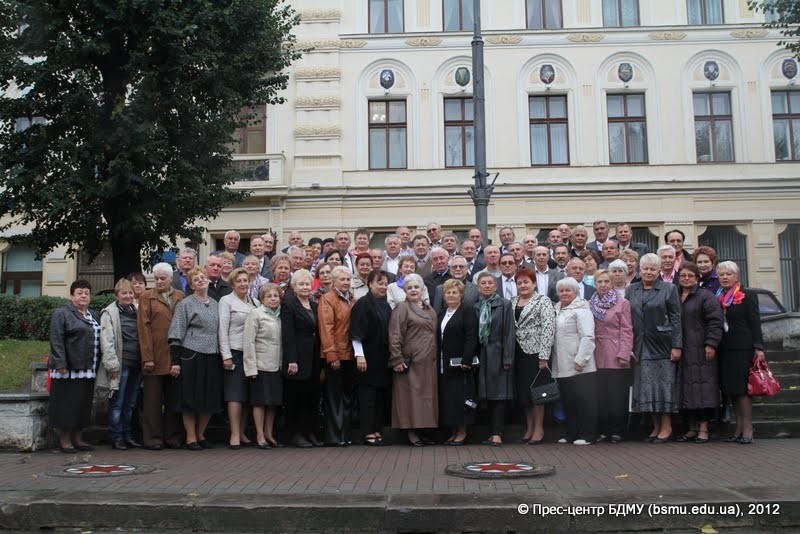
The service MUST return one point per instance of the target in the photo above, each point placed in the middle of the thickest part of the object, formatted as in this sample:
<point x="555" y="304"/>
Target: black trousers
<point x="340" y="394"/>
<point x="612" y="400"/>
<point x="160" y="423"/>
<point x="302" y="403"/>
<point x="371" y="408"/>
<point x="579" y="394"/>
<point x="497" y="416"/>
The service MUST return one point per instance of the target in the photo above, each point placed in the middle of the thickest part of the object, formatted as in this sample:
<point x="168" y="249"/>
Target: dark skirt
<point x="455" y="387"/>
<point x="655" y="388"/>
<point x="734" y="371"/>
<point x="526" y="369"/>
<point x="234" y="382"/>
<point x="266" y="389"/>
<point x="200" y="382"/>
<point x="70" y="405"/>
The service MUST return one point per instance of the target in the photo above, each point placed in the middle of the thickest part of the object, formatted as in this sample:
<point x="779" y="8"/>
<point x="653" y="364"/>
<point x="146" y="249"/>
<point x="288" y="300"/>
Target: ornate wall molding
<point x="353" y="43"/>
<point x="317" y="44"/>
<point x="424" y="41"/>
<point x="329" y="101"/>
<point x="750" y="33"/>
<point x="504" y="39"/>
<point x="322" y="71"/>
<point x="311" y="15"/>
<point x="667" y="36"/>
<point x="318" y="131"/>
<point x="586" y="37"/>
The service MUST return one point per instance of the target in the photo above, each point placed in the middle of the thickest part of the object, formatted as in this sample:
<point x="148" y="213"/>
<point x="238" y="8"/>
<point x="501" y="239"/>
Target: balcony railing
<point x="252" y="170"/>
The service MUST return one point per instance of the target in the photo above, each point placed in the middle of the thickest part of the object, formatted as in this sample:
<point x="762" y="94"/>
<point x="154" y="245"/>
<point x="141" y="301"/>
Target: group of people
<point x="428" y="330"/>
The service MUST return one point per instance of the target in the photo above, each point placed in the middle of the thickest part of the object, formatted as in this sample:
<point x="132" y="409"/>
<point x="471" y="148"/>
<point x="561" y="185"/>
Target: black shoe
<point x="175" y="446"/>
<point x="265" y="446"/>
<point x="341" y="444"/>
<point x="300" y="442"/>
<point x="733" y="439"/>
<point x="417" y="443"/>
<point x="649" y="439"/>
<point x="686" y="437"/>
<point x="276" y="444"/>
<point x="68" y="450"/>
<point x="194" y="446"/>
<point x="205" y="444"/>
<point x="233" y="447"/>
<point x="615" y="438"/>
<point x="119" y="445"/>
<point x="662" y="440"/>
<point x="535" y="441"/>
<point x="157" y="447"/>
<point x="133" y="444"/>
<point x="746" y="441"/>
<point x="372" y="442"/>
<point x="457" y="443"/>
<point x="85" y="448"/>
<point x="314" y="441"/>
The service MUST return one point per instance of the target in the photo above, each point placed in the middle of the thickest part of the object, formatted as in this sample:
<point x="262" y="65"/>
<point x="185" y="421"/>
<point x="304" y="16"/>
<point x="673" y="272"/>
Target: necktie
<point x="509" y="290"/>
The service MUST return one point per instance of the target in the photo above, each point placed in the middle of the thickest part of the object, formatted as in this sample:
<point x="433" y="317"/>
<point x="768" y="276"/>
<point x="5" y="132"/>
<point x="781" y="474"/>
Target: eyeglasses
<point x="458" y="266"/>
<point x="508" y="263"/>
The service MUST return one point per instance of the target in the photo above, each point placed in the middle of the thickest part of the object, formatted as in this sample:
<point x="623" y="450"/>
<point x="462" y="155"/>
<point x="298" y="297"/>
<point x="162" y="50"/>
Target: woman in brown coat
<point x="160" y="426"/>
<point x="412" y="355"/>
<point x="334" y="334"/>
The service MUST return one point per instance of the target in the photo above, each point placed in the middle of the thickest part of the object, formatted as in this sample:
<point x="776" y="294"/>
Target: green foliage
<point x="787" y="18"/>
<point x="128" y="110"/>
<point x="29" y="317"/>
<point x="15" y="359"/>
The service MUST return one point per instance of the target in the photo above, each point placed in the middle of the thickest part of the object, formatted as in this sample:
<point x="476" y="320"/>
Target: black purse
<point x="544" y="393"/>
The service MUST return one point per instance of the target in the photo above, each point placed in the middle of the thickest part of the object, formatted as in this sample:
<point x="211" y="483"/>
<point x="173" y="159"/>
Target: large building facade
<point x="666" y="114"/>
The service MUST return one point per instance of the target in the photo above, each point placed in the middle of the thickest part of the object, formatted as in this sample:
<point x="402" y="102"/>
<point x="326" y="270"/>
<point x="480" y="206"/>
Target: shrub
<point x="29" y="317"/>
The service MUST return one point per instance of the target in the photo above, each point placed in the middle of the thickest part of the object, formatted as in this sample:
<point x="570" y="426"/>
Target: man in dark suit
<point x="507" y="283"/>
<point x="507" y="237"/>
<point x="476" y="236"/>
<point x="676" y="239"/>
<point x="217" y="287"/>
<point x="422" y="249"/>
<point x="469" y="252"/>
<point x="259" y="250"/>
<point x="610" y="253"/>
<point x="186" y="262"/>
<point x="600" y="229"/>
<point x="295" y="240"/>
<point x="515" y="249"/>
<point x="434" y="232"/>
<point x="624" y="236"/>
<point x="439" y="270"/>
<point x="576" y="268"/>
<point x="458" y="270"/>
<point x="545" y="276"/>
<point x="231" y="241"/>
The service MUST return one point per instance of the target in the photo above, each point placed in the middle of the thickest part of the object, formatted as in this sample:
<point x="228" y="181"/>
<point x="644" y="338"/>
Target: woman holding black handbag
<point x="458" y="345"/>
<point x="535" y="321"/>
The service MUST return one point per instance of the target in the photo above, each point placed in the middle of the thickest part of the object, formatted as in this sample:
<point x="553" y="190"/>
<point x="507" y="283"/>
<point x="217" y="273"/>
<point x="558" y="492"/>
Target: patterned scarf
<point x="485" y="318"/>
<point x="275" y="313"/>
<point x="733" y="296"/>
<point x="600" y="305"/>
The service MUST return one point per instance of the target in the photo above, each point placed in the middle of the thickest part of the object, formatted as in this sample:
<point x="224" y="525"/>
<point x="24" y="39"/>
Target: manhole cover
<point x="499" y="470"/>
<point x="101" y="470"/>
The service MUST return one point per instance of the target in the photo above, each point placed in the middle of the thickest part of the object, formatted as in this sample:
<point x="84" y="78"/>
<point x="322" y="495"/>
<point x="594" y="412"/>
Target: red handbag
<point x="761" y="381"/>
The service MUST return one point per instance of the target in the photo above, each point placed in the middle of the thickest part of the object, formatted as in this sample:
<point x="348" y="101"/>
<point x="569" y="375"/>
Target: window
<point x="385" y="16"/>
<point x="713" y="127"/>
<point x="549" y="130"/>
<point x="543" y="14"/>
<point x="730" y="246"/>
<point x="22" y="272"/>
<point x="705" y="12"/>
<point x="387" y="134"/>
<point x="771" y="14"/>
<point x="627" y="129"/>
<point x="252" y="138"/>
<point x="789" y="242"/>
<point x="459" y="146"/>
<point x="786" y="125"/>
<point x="458" y="15"/>
<point x="620" y="13"/>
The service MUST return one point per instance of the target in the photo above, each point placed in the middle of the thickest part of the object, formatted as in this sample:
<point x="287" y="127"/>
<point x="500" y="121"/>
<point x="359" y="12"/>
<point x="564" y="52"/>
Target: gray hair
<point x="390" y="236"/>
<point x="339" y="269"/>
<point x="651" y="260"/>
<point x="413" y="277"/>
<point x="580" y="228"/>
<point x="299" y="275"/>
<point x="188" y="250"/>
<point x="569" y="283"/>
<point x="664" y="248"/>
<point x="163" y="267"/>
<point x="618" y="264"/>
<point x="232" y="232"/>
<point x="294" y="248"/>
<point x="728" y="266"/>
<point x="440" y="249"/>
<point x="457" y="258"/>
<point x="484" y="274"/>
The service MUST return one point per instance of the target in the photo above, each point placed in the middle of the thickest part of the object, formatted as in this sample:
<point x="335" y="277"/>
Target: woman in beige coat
<point x="412" y="355"/>
<point x="262" y="361"/>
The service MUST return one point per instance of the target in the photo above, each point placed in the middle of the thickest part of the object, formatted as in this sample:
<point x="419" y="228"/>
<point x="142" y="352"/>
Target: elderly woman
<point x="252" y="266"/>
<point x="741" y="343"/>
<point x="406" y="266"/>
<point x="573" y="363"/>
<point x="613" y="332"/>
<point x="369" y="332"/>
<point x="698" y="375"/>
<point x="121" y="369"/>
<point x="262" y="362"/>
<point x="535" y="327"/>
<point x="363" y="263"/>
<point x="618" y="274"/>
<point x="194" y="345"/>
<point x="301" y="368"/>
<point x="74" y="355"/>
<point x="139" y="286"/>
<point x="281" y="268"/>
<point x="412" y="355"/>
<point x="334" y="332"/>
<point x="706" y="260"/>
<point x="458" y="345"/>
<point x="228" y="261"/>
<point x="323" y="282"/>
<point x="592" y="261"/>
<point x="161" y="423"/>
<point x="657" y="346"/>
<point x="496" y="349"/>
<point x="234" y="308"/>
<point x="361" y="243"/>
<point x="631" y="259"/>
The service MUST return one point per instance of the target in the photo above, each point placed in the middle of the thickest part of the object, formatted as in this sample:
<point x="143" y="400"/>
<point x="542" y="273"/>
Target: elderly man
<point x="507" y="283"/>
<point x="566" y="233"/>
<point x="476" y="236"/>
<point x="422" y="247"/>
<point x="675" y="239"/>
<point x="186" y="262"/>
<point x="391" y="258"/>
<point x="529" y="244"/>
<point x="515" y="249"/>
<point x="297" y="256"/>
<point x="491" y="255"/>
<point x="669" y="265"/>
<point x="259" y="250"/>
<point x="469" y="252"/>
<point x="458" y="270"/>
<point x="600" y="229"/>
<point x="343" y="246"/>
<point x="404" y="232"/>
<point x="624" y="236"/>
<point x="610" y="253"/>
<point x="450" y="243"/>
<point x="576" y="268"/>
<point x="546" y="276"/>
<point x="295" y="240"/>
<point x="434" y="232"/>
<point x="561" y="256"/>
<point x="269" y="245"/>
<point x="231" y="241"/>
<point x="440" y="273"/>
<point x="578" y="240"/>
<point x="506" y="238"/>
<point x="217" y="287"/>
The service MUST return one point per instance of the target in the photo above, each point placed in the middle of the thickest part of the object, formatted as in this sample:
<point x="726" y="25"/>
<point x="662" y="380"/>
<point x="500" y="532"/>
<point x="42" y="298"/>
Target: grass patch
<point x="15" y="359"/>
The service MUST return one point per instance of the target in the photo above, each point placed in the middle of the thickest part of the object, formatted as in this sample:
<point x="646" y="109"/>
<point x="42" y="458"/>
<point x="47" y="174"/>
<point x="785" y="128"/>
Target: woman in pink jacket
<point x="612" y="355"/>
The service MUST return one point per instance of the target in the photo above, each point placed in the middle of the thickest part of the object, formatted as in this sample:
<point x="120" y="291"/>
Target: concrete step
<point x="789" y="380"/>
<point x="785" y="396"/>
<point x="782" y="356"/>
<point x="789" y="367"/>
<point x="776" y="411"/>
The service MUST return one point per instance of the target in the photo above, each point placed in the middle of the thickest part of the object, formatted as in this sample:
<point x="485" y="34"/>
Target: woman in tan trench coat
<point x="412" y="355"/>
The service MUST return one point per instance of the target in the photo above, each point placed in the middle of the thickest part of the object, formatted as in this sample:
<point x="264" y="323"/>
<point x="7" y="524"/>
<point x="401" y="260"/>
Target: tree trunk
<point x="127" y="255"/>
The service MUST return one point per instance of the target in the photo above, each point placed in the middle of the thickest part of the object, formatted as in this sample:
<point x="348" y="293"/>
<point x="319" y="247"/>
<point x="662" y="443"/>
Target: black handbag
<point x="544" y="393"/>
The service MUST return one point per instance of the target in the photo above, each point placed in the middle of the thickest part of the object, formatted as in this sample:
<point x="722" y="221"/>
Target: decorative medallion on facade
<point x="318" y="72"/>
<point x="462" y="77"/>
<point x="387" y="78"/>
<point x="789" y="68"/>
<point x="625" y="72"/>
<point x="308" y="15"/>
<point x="547" y="74"/>
<point x="504" y="39"/>
<point x="328" y="101"/>
<point x="586" y="37"/>
<point x="667" y="36"/>
<point x="318" y="130"/>
<point x="750" y="33"/>
<point x="711" y="71"/>
<point x="352" y="43"/>
<point x="424" y="41"/>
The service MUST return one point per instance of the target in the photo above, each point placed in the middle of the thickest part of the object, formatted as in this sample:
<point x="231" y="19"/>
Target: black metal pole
<point x="481" y="191"/>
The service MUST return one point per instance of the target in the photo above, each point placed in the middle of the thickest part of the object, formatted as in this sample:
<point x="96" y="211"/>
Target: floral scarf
<point x="728" y="298"/>
<point x="485" y="318"/>
<point x="599" y="305"/>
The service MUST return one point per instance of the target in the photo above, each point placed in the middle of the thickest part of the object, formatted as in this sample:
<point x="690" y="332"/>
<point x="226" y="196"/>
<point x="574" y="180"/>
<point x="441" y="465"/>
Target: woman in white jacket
<point x="262" y="361"/>
<point x="573" y="363"/>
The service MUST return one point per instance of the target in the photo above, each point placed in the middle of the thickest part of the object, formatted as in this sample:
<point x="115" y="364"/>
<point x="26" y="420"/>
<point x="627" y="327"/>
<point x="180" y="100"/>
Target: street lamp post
<point x="481" y="192"/>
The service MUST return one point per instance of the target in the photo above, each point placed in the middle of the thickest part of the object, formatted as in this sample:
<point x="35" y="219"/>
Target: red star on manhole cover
<point x="103" y="469"/>
<point x="500" y="467"/>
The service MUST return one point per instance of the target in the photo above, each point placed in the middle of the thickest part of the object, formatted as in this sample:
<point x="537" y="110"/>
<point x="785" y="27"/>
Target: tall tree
<point x="784" y="15"/>
<point x="117" y="116"/>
